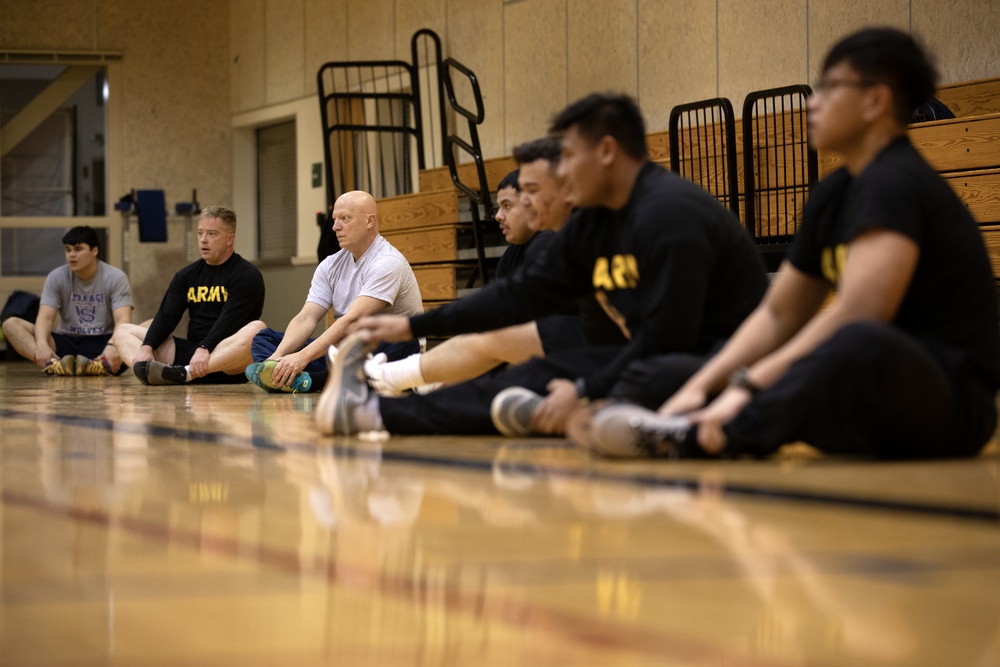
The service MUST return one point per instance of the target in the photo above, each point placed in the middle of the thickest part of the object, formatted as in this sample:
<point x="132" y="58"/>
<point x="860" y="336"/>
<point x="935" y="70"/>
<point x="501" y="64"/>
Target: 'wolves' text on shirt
<point x="203" y="293"/>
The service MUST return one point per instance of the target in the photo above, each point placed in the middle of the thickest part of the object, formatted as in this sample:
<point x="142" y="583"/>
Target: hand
<point x="44" y="355"/>
<point x="720" y="411"/>
<point x="684" y="401"/>
<point x="385" y="328"/>
<point x="288" y="367"/>
<point x="550" y="417"/>
<point x="198" y="366"/>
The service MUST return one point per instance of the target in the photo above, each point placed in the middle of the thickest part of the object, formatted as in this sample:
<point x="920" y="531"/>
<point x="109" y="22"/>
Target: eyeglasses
<point x="824" y="86"/>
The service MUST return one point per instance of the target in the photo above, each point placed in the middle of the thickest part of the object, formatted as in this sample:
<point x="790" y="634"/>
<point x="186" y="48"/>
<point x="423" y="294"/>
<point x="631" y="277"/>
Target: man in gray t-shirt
<point x="365" y="277"/>
<point x="90" y="298"/>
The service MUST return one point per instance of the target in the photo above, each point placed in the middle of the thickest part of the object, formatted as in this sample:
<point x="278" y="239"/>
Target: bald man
<point x="366" y="276"/>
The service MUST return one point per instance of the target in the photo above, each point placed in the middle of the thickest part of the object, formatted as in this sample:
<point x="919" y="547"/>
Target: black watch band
<point x="741" y="378"/>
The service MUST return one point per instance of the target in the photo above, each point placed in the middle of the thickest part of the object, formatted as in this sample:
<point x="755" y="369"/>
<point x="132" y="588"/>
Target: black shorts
<point x="89" y="346"/>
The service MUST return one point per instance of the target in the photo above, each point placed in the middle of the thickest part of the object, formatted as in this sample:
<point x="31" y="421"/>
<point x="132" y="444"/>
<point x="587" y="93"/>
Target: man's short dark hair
<point x="510" y="181"/>
<point x="82" y="234"/>
<point x="892" y="57"/>
<point x="546" y="148"/>
<point x="606" y="115"/>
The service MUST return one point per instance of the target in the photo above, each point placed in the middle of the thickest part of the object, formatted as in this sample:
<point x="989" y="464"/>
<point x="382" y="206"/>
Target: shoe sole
<point x="617" y="432"/>
<point x="496" y="413"/>
<point x="353" y="348"/>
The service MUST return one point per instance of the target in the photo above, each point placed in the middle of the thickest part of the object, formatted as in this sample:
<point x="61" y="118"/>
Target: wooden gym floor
<point x="213" y="526"/>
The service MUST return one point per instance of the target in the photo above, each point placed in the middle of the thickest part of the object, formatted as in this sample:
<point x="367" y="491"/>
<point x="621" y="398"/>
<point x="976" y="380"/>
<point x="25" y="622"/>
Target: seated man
<point x="91" y="298"/>
<point x="366" y="276"/>
<point x="673" y="267"/>
<point x="223" y="295"/>
<point x="905" y="363"/>
<point x="541" y="205"/>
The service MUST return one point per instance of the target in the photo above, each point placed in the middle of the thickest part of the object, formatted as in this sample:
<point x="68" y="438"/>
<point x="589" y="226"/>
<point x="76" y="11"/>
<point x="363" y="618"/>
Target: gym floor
<point x="208" y="525"/>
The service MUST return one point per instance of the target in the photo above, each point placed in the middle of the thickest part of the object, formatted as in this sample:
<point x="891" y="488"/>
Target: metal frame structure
<point x="706" y="133"/>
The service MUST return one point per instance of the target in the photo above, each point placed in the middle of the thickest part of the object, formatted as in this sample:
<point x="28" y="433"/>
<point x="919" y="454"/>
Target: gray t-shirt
<point x="86" y="308"/>
<point x="381" y="273"/>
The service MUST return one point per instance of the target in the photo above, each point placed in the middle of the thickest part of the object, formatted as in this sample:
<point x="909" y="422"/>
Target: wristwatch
<point x="741" y="378"/>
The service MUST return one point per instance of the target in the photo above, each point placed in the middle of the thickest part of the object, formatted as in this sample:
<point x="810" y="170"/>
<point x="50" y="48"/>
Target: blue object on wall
<point x="151" y="207"/>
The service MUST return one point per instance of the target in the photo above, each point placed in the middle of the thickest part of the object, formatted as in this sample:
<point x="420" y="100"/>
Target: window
<point x="54" y="166"/>
<point x="277" y="206"/>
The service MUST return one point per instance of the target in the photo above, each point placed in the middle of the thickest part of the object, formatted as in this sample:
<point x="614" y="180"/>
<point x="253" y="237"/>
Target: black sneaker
<point x="624" y="430"/>
<point x="159" y="373"/>
<point x="141" y="370"/>
<point x="347" y="387"/>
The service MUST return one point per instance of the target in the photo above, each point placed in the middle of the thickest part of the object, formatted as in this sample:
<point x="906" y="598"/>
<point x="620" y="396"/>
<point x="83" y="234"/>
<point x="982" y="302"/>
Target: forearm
<point x="759" y="335"/>
<point x="299" y="329"/>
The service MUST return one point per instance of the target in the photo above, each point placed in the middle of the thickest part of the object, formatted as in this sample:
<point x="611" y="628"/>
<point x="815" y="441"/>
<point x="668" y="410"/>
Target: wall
<point x="175" y="94"/>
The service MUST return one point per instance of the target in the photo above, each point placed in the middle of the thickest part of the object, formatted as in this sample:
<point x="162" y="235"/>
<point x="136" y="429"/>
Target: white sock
<point x="187" y="370"/>
<point x="367" y="416"/>
<point x="403" y="374"/>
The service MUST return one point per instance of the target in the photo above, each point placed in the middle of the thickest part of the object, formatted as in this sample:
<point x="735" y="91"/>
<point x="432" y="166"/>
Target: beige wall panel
<point x="371" y="29"/>
<point x="535" y="55"/>
<point x="412" y="16"/>
<point x="247" y="49"/>
<point x="830" y="20"/>
<point x="284" y="50"/>
<point x="475" y="39"/>
<point x="761" y="45"/>
<point x="601" y="46"/>
<point x="175" y="118"/>
<point x="48" y="24"/>
<point x="676" y="57"/>
<point x="326" y="36"/>
<point x="963" y="36"/>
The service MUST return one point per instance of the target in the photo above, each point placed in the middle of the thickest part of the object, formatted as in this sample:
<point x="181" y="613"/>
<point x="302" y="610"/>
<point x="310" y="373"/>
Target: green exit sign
<point x="317" y="174"/>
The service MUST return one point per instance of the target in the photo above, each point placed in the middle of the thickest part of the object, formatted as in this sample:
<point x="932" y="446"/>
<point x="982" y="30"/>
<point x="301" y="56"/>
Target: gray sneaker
<point x="624" y="430"/>
<point x="512" y="410"/>
<point x="346" y="388"/>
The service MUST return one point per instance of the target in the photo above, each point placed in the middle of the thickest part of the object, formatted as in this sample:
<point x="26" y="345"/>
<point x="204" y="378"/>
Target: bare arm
<point x="43" y="335"/>
<point x="791" y="300"/>
<point x="878" y="271"/>
<point x="292" y="363"/>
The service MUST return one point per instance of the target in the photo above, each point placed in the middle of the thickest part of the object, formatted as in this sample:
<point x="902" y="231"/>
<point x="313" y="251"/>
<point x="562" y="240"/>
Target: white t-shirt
<point x="86" y="308"/>
<point x="381" y="273"/>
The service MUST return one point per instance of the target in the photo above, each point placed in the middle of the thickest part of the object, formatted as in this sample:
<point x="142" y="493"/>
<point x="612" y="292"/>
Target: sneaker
<point x="253" y="374"/>
<point x="159" y="373"/>
<point x="141" y="370"/>
<point x="346" y="389"/>
<point x="512" y="410"/>
<point x="260" y="374"/>
<point x="64" y="366"/>
<point x="625" y="430"/>
<point x="86" y="366"/>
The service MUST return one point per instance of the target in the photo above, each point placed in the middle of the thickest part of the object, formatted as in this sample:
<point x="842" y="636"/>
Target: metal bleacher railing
<point x="703" y="147"/>
<point x="779" y="167"/>
<point x="385" y="120"/>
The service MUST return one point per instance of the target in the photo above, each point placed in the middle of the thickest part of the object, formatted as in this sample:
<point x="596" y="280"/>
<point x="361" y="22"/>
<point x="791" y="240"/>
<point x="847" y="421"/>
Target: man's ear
<point x="607" y="150"/>
<point x="879" y="101"/>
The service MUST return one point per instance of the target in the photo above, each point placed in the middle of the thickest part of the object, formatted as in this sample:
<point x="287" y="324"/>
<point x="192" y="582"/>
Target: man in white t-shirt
<point x="91" y="298"/>
<point x="366" y="276"/>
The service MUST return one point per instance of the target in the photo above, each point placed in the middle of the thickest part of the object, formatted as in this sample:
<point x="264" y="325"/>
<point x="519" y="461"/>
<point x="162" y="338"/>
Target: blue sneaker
<point x="260" y="374"/>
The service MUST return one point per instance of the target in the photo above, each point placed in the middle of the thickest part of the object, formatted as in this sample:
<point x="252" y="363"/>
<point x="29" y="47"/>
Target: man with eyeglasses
<point x="904" y="363"/>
